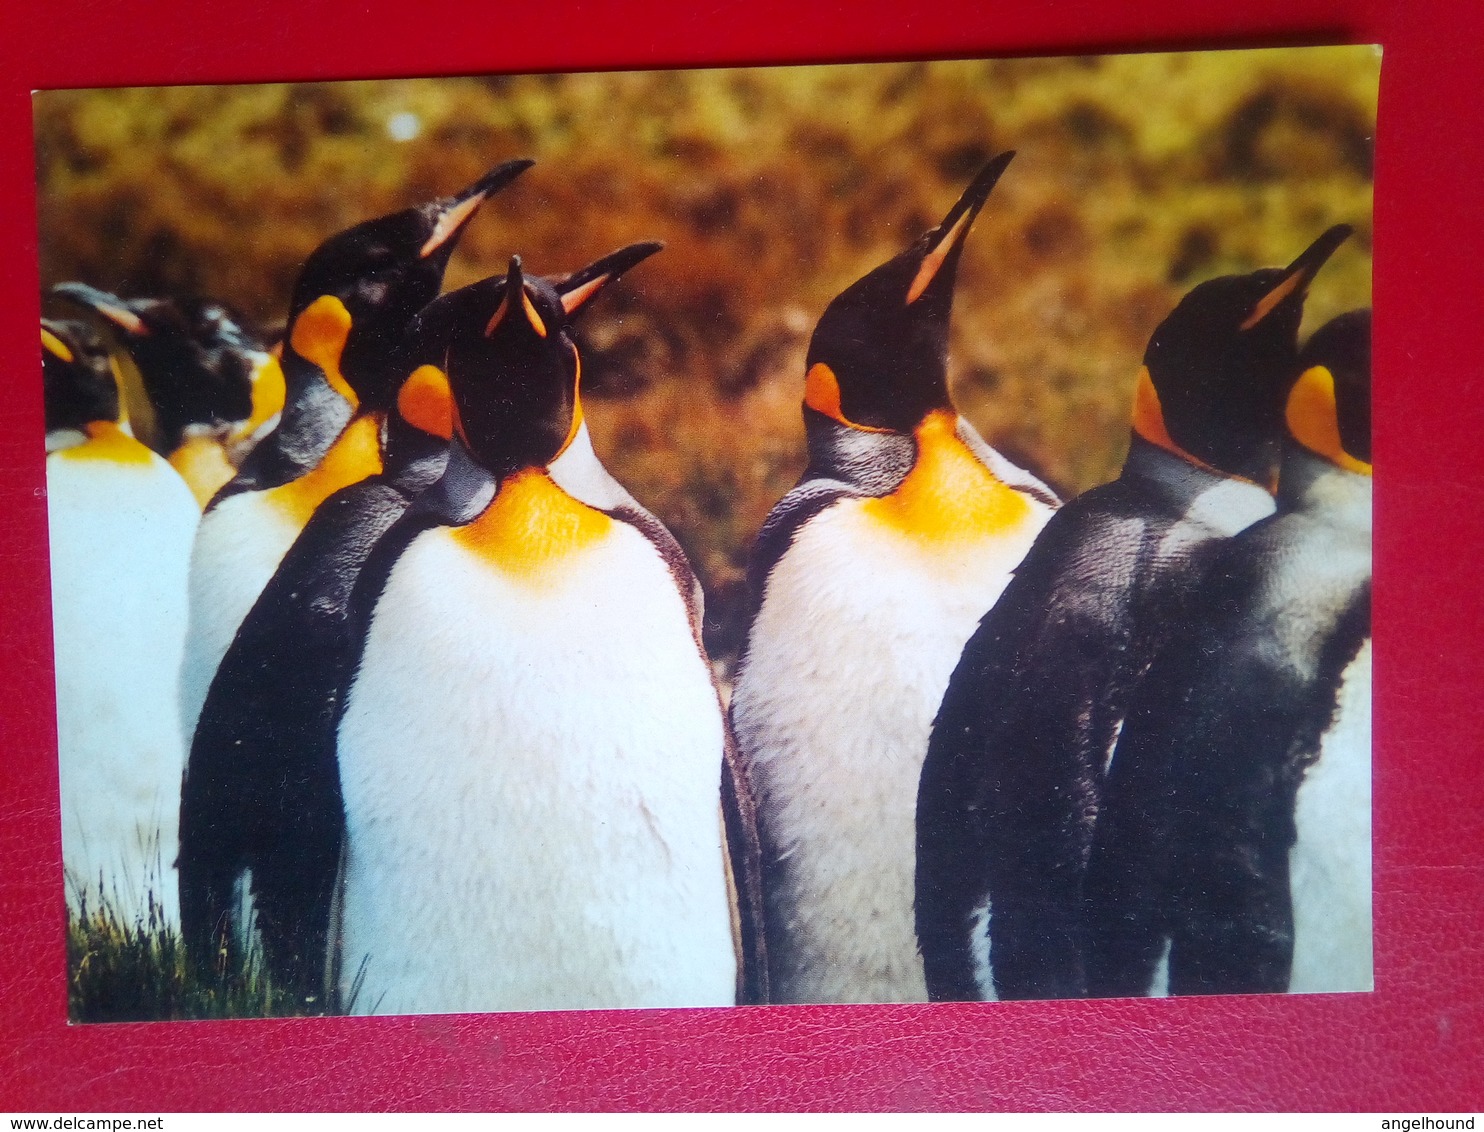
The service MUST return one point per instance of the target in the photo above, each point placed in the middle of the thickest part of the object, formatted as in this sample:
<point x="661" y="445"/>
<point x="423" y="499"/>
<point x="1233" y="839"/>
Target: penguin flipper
<point x="744" y="851"/>
<point x="265" y="746"/>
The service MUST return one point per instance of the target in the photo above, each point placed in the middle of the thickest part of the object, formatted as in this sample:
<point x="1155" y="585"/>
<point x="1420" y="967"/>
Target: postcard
<point x="858" y="533"/>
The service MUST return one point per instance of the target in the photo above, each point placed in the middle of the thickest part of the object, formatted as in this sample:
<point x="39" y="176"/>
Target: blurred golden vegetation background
<point x="1136" y="177"/>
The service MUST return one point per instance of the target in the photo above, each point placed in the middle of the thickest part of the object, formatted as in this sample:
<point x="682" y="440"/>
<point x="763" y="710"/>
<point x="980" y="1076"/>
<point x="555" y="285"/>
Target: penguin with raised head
<point x="352" y="304"/>
<point x="211" y="384"/>
<point x="121" y="523"/>
<point x="261" y="798"/>
<point x="1235" y="845"/>
<point x="532" y="748"/>
<point x="869" y="577"/>
<point x="1013" y="781"/>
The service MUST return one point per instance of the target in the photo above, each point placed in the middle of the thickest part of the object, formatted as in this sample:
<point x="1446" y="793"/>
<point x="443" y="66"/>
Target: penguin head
<point x="879" y="356"/>
<point x="1218" y="369"/>
<point x="78" y="384"/>
<point x="511" y="362"/>
<point x="1329" y="408"/>
<point x="194" y="357"/>
<point x="359" y="291"/>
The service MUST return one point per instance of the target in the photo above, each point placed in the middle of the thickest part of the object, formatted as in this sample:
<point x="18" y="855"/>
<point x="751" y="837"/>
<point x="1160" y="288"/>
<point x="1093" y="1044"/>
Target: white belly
<point x="1331" y="861"/>
<point x="531" y="773"/>
<point x="120" y="547"/>
<point x="238" y="548"/>
<point x="846" y="666"/>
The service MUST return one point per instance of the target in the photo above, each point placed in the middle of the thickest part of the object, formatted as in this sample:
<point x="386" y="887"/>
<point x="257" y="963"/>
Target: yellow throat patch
<point x="948" y="497"/>
<point x="355" y="455"/>
<point x="531" y="526"/>
<point x="202" y="462"/>
<point x="106" y="441"/>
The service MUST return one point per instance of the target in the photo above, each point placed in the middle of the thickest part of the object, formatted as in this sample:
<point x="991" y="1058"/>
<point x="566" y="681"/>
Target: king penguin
<point x="1013" y="780"/>
<point x="212" y="385"/>
<point x="532" y="749"/>
<point x="261" y="798"/>
<point x="353" y="302"/>
<point x="121" y="522"/>
<point x="1236" y="840"/>
<point x="869" y="576"/>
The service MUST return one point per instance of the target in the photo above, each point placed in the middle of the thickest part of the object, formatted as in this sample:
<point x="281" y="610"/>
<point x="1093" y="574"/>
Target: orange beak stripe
<point x="54" y="345"/>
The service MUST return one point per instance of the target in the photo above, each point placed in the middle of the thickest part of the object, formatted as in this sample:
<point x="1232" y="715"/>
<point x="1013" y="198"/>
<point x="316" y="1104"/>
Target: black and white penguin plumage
<point x="211" y="384"/>
<point x="352" y="304"/>
<point x="121" y="523"/>
<point x="1013" y="780"/>
<point x="1235" y="843"/>
<point x="531" y="752"/>
<point x="869" y="575"/>
<point x="261" y="799"/>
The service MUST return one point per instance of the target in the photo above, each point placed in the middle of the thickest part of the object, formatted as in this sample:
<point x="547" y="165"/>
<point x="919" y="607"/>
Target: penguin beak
<point x="948" y="236"/>
<point x="111" y="307"/>
<point x="582" y="285"/>
<point x="461" y="207"/>
<point x="1299" y="273"/>
<point x="515" y="284"/>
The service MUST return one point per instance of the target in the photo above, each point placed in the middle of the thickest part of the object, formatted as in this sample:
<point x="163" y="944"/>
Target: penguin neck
<point x="948" y="495"/>
<point x="314" y="415"/>
<point x="353" y="456"/>
<point x="531" y="526"/>
<point x="104" y="440"/>
<point x="1226" y="504"/>
<point x="414" y="459"/>
<point x="202" y="462"/>
<point x="1312" y="482"/>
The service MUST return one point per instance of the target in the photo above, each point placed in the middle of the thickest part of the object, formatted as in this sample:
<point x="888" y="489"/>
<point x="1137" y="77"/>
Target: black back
<point x="1194" y="844"/>
<point x="262" y="789"/>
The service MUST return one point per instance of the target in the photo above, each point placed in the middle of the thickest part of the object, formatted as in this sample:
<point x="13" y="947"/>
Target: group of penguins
<point x="420" y="705"/>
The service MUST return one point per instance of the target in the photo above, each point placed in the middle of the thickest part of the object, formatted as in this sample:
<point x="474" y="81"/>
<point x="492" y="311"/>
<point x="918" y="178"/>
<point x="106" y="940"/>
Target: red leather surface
<point x="1417" y="1043"/>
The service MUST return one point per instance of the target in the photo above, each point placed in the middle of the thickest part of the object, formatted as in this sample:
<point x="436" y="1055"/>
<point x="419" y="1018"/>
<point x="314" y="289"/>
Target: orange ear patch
<point x="1149" y="420"/>
<point x="426" y="402"/>
<point x="531" y="526"/>
<point x="319" y="336"/>
<point x="822" y="394"/>
<point x="1313" y="421"/>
